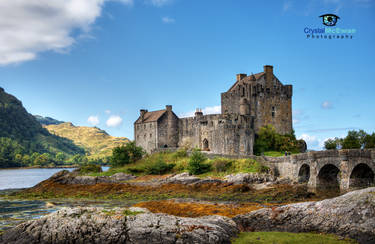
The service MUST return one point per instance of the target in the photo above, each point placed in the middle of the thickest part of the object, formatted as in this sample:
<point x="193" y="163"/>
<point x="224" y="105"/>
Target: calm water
<point x="13" y="212"/>
<point x="24" y="178"/>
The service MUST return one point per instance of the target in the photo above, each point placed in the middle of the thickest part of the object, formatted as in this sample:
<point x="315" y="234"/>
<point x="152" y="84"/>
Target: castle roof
<point x="151" y="116"/>
<point x="249" y="78"/>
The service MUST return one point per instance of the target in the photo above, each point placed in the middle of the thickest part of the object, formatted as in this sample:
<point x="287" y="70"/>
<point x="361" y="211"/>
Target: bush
<point x="127" y="154"/>
<point x="90" y="168"/>
<point x="221" y="164"/>
<point x="159" y="167"/>
<point x="196" y="164"/>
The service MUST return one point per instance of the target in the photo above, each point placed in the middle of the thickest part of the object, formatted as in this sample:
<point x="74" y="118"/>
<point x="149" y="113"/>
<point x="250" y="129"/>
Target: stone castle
<point x="253" y="101"/>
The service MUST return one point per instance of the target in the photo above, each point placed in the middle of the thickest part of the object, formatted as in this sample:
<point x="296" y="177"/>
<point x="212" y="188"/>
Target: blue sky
<point x="99" y="61"/>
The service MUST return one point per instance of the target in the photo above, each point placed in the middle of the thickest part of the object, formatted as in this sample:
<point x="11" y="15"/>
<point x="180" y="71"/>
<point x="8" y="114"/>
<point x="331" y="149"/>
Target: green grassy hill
<point x="96" y="142"/>
<point x="21" y="134"/>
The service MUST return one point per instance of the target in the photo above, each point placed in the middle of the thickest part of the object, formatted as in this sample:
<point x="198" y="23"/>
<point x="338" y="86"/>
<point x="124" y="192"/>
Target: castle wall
<point x="145" y="136"/>
<point x="222" y="134"/>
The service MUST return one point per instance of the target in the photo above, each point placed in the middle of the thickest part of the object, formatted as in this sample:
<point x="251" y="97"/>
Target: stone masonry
<point x="252" y="102"/>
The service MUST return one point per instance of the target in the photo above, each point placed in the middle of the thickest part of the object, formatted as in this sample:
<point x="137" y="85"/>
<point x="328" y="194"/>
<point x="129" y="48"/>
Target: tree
<point x="42" y="160"/>
<point x="60" y="157"/>
<point x="331" y="144"/>
<point x="126" y="154"/>
<point x="26" y="160"/>
<point x="369" y="141"/>
<point x="352" y="140"/>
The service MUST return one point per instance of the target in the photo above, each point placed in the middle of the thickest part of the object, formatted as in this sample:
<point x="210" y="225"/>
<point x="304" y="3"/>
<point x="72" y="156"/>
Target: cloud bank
<point x="28" y="27"/>
<point x="206" y="110"/>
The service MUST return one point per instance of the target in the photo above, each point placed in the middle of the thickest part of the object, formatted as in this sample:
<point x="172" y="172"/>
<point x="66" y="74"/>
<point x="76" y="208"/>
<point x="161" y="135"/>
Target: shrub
<point x="180" y="153"/>
<point x="221" y="164"/>
<point x="196" y="164"/>
<point x="90" y="168"/>
<point x="159" y="167"/>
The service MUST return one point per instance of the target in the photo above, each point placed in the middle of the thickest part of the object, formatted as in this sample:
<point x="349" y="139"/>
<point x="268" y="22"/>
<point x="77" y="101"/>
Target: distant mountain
<point x="96" y="142"/>
<point x="47" y="120"/>
<point x="21" y="134"/>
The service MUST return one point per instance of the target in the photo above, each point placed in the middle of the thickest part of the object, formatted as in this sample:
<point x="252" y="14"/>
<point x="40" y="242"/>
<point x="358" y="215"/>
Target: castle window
<point x="150" y="135"/>
<point x="273" y="112"/>
<point x="144" y="136"/>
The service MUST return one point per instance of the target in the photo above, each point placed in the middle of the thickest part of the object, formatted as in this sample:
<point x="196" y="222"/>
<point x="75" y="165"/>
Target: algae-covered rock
<point x="350" y="215"/>
<point x="97" y="225"/>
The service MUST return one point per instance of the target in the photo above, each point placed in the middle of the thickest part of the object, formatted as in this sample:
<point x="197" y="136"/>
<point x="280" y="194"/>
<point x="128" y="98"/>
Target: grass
<point x="289" y="238"/>
<point x="219" y="166"/>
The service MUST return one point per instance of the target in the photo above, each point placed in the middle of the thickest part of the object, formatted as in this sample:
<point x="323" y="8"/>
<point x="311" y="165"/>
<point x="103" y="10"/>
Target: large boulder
<point x="96" y="225"/>
<point x="350" y="215"/>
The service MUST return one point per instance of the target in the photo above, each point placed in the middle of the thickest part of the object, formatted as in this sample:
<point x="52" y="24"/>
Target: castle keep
<point x="253" y="101"/>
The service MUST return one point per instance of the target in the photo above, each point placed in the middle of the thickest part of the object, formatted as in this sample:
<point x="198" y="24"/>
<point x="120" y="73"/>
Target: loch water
<point x="13" y="212"/>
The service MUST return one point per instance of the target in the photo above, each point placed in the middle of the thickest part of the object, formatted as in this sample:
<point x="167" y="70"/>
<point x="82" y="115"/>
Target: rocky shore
<point x="350" y="215"/>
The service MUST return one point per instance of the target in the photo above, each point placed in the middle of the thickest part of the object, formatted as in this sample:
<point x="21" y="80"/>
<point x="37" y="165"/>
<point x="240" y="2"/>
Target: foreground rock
<point x="351" y="215"/>
<point x="95" y="225"/>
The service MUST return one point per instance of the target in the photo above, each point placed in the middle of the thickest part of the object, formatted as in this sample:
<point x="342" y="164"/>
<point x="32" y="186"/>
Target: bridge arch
<point x="304" y="173"/>
<point x="329" y="178"/>
<point x="361" y="176"/>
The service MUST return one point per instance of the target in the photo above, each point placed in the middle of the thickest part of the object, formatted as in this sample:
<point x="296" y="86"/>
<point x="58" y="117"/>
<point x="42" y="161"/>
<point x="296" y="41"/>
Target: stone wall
<point x="168" y="130"/>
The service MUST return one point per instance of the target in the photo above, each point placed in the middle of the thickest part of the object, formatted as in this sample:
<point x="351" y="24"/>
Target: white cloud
<point x="312" y="141"/>
<point x="28" y="27"/>
<point x="107" y="111"/>
<point x="326" y="105"/>
<point x="159" y="3"/>
<point x="206" y="110"/>
<point x="168" y="20"/>
<point x="114" y="121"/>
<point x="93" y="120"/>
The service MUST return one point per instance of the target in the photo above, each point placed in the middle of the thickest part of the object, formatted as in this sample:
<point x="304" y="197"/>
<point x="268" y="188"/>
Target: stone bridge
<point x="341" y="170"/>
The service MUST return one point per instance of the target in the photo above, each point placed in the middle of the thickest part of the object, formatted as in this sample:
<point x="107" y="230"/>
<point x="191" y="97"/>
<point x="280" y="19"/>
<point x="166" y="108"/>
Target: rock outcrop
<point x="249" y="178"/>
<point x="350" y="215"/>
<point x="96" y="225"/>
<point x="66" y="177"/>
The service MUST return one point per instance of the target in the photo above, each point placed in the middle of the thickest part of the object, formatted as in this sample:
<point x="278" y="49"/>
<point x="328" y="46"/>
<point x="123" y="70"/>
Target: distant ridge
<point x="96" y="142"/>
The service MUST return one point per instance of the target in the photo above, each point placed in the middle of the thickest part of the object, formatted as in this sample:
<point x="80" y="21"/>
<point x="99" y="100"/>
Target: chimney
<point x="240" y="76"/>
<point x="143" y="112"/>
<point x="198" y="112"/>
<point x="168" y="108"/>
<point x="268" y="70"/>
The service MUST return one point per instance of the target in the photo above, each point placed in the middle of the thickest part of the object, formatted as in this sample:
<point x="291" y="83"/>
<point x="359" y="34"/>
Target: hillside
<point x="96" y="142"/>
<point x="21" y="134"/>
